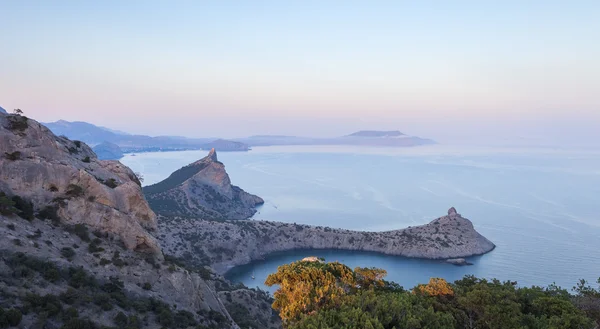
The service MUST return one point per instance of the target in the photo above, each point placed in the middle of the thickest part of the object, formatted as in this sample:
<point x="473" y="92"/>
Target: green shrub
<point x="10" y="318"/>
<point x="24" y="208"/>
<point x="77" y="143"/>
<point x="7" y="205"/>
<point x="17" y="122"/>
<point x="11" y="227"/>
<point x="68" y="253"/>
<point x="112" y="183"/>
<point x="49" y="212"/>
<point x="80" y="230"/>
<point x="121" y="320"/>
<point x="74" y="190"/>
<point x="86" y="160"/>
<point x="13" y="156"/>
<point x="147" y="286"/>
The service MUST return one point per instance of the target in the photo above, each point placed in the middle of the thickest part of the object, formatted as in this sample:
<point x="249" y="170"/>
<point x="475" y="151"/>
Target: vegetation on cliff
<point x="331" y="295"/>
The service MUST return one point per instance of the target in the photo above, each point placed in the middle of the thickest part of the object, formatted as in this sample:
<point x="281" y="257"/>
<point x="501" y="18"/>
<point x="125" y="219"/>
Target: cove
<point x="405" y="271"/>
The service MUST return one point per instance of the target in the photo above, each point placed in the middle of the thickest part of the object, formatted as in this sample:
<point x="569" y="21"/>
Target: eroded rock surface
<point x="64" y="176"/>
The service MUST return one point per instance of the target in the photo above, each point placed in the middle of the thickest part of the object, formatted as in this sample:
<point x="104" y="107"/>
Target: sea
<point x="540" y="206"/>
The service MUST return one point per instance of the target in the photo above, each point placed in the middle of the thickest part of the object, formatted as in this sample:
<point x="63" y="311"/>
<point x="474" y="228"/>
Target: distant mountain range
<point x="95" y="135"/>
<point x="2" y="110"/>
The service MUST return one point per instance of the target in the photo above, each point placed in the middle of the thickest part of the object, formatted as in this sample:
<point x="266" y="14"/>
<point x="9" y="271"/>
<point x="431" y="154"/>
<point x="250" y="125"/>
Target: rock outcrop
<point x="201" y="190"/>
<point x="65" y="178"/>
<point x="230" y="243"/>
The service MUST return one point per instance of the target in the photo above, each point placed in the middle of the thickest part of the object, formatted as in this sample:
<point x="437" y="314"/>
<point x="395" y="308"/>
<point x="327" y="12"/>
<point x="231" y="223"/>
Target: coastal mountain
<point x="108" y="151"/>
<point x="94" y="135"/>
<point x="448" y="237"/>
<point x="202" y="190"/>
<point x="78" y="250"/>
<point x="83" y="131"/>
<point x="3" y="110"/>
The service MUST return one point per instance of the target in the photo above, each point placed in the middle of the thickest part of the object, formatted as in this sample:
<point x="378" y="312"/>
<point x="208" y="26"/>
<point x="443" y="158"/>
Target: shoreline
<point x="226" y="273"/>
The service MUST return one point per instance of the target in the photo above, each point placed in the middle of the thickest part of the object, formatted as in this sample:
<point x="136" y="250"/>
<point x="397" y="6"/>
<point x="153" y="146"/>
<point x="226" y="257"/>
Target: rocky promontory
<point x="202" y="190"/>
<point x="226" y="244"/>
<point x="77" y="247"/>
<point x="64" y="179"/>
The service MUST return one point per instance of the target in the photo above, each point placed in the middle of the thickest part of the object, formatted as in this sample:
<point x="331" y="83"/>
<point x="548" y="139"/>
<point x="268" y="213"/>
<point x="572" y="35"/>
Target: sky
<point x="448" y="70"/>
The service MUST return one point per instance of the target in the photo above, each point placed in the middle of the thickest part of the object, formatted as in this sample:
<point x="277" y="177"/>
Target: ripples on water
<point x="538" y="206"/>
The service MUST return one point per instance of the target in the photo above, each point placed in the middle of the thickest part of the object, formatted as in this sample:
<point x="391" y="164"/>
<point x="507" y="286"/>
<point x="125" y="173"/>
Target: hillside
<point x="202" y="190"/>
<point x="78" y="247"/>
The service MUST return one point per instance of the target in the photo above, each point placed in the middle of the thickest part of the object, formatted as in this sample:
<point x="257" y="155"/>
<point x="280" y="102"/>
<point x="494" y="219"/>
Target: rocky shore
<point x="223" y="245"/>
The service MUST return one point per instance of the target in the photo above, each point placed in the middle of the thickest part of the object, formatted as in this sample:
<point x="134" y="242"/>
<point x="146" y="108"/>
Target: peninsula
<point x="223" y="245"/>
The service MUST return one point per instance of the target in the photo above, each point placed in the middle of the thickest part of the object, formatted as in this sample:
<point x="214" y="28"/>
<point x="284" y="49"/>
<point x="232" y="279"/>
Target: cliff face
<point x="232" y="243"/>
<point x="77" y="235"/>
<point x="63" y="176"/>
<point x="203" y="190"/>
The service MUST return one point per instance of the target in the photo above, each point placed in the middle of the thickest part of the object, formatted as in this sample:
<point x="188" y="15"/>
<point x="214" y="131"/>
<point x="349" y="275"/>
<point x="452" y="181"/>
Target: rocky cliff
<point x="231" y="243"/>
<point x="77" y="247"/>
<point x="201" y="190"/>
<point x="64" y="177"/>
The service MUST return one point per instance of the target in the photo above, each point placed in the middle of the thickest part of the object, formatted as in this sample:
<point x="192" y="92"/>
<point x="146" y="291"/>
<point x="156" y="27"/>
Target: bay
<point x="539" y="206"/>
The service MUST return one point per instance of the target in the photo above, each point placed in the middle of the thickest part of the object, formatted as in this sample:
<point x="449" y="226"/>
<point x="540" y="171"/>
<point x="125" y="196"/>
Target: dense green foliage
<point x="311" y="298"/>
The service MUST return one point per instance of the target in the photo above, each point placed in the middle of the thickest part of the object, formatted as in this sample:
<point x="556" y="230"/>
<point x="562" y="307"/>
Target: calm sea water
<point x="540" y="207"/>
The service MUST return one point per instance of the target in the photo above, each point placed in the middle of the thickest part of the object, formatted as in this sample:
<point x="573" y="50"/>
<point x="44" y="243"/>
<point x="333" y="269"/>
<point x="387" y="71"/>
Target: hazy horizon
<point x="461" y="72"/>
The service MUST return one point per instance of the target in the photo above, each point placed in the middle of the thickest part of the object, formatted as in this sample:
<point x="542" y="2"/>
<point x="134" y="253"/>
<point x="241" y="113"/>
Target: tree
<point x="17" y="111"/>
<point x="435" y="287"/>
<point x="306" y="286"/>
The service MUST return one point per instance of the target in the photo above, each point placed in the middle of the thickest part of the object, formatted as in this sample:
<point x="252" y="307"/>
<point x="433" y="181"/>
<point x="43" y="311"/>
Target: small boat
<point x="252" y="275"/>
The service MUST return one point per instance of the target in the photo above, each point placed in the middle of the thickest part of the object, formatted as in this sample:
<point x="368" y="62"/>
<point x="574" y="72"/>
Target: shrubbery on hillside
<point x="331" y="295"/>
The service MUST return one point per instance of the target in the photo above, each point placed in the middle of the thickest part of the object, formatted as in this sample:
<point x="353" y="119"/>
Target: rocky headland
<point x="223" y="245"/>
<point x="78" y="248"/>
<point x="202" y="190"/>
